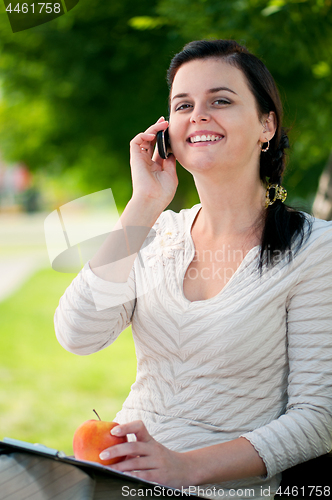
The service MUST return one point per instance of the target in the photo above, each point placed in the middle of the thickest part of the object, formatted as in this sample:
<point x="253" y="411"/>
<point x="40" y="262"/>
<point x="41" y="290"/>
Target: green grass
<point x="45" y="391"/>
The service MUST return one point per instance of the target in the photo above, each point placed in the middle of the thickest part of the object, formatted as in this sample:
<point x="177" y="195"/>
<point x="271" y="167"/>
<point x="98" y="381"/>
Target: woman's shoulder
<point x="318" y="228"/>
<point x="317" y="235"/>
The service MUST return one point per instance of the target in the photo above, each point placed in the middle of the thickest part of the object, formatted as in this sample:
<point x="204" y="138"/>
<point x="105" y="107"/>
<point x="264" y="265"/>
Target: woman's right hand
<point x="154" y="179"/>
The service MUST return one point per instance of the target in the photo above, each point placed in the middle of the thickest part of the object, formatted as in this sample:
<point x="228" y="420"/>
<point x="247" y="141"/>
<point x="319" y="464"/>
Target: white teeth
<point x="205" y="138"/>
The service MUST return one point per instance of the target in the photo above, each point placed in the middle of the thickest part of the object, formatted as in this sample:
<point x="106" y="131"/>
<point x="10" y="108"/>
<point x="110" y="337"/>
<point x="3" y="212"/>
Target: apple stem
<point x="97" y="414"/>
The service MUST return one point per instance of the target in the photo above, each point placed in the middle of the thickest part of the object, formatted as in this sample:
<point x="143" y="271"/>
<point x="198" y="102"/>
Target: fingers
<point x="130" y="448"/>
<point x="146" y="140"/>
<point x="136" y="427"/>
<point x="134" y="464"/>
<point x="143" y="137"/>
<point x="145" y="458"/>
<point x="142" y="143"/>
<point x="133" y="449"/>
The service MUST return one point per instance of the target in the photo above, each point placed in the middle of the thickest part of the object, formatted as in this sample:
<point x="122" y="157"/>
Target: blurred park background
<point x="73" y="93"/>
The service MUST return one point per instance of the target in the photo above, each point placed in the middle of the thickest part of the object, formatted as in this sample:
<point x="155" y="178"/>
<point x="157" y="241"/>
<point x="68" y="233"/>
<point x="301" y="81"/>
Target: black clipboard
<point x="35" y="472"/>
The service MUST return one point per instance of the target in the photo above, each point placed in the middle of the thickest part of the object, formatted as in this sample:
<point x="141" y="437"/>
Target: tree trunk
<point x="322" y="207"/>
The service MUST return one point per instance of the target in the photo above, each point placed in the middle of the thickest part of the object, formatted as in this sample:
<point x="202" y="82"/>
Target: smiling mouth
<point x="204" y="138"/>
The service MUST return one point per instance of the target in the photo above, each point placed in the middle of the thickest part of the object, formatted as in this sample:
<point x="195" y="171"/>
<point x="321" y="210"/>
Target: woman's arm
<point x="115" y="258"/>
<point x="305" y="430"/>
<point x="86" y="320"/>
<point x="234" y="459"/>
<point x="152" y="461"/>
<point x="99" y="303"/>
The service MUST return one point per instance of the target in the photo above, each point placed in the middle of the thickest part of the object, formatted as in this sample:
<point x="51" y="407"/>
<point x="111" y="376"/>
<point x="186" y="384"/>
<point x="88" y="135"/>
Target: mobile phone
<point x="163" y="144"/>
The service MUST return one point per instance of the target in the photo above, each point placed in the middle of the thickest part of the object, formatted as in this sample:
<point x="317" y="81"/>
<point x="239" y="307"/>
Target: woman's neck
<point x="230" y="209"/>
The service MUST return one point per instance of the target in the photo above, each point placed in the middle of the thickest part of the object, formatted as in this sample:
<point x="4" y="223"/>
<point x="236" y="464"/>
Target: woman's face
<point x="211" y="98"/>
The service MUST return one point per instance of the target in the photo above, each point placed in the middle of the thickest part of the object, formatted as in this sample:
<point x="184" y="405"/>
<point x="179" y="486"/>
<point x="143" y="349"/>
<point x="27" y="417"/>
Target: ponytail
<point x="284" y="227"/>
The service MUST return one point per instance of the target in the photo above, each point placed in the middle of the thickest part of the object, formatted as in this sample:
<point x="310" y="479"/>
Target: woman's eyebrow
<point x="218" y="89"/>
<point x="210" y="91"/>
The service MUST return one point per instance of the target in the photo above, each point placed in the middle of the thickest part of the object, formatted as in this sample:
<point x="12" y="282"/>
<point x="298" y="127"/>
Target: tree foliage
<point x="77" y="89"/>
<point x="294" y="39"/>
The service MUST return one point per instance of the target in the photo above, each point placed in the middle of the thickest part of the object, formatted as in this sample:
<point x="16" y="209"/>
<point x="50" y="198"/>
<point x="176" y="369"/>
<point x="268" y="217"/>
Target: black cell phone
<point x="163" y="144"/>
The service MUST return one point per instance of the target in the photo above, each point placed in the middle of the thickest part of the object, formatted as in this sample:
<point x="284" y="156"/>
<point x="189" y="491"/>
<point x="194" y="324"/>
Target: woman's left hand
<point x="148" y="459"/>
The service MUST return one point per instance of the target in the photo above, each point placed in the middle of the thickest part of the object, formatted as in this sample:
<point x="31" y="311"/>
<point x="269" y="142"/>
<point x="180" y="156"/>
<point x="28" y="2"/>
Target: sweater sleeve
<point x="93" y="312"/>
<point x="305" y="430"/>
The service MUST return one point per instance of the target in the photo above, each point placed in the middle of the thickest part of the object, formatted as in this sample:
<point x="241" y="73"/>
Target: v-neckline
<point x="192" y="254"/>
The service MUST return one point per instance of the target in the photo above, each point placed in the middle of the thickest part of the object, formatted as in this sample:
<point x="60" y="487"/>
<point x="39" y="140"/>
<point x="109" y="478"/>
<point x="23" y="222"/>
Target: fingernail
<point x="161" y="118"/>
<point x="116" y="431"/>
<point x="104" y="455"/>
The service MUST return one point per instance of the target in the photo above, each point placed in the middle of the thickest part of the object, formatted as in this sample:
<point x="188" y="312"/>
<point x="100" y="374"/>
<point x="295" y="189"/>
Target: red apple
<point x="92" y="437"/>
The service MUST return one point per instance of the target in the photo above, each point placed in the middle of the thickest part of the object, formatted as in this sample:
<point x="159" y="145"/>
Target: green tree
<point x="77" y="89"/>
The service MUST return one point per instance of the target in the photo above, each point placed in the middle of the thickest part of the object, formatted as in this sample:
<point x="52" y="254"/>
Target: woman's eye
<point x="222" y="101"/>
<point x="182" y="106"/>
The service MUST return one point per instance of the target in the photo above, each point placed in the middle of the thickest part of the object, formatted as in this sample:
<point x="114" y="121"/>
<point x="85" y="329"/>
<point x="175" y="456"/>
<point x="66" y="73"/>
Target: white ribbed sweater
<point x="253" y="361"/>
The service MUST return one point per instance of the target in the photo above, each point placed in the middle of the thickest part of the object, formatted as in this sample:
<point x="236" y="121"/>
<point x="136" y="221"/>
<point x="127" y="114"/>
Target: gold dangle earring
<point x="274" y="192"/>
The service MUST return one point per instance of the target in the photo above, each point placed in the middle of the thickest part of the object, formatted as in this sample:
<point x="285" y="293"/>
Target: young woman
<point x="230" y="304"/>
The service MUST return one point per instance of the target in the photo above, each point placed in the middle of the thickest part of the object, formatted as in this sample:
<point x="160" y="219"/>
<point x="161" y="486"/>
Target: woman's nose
<point x="199" y="115"/>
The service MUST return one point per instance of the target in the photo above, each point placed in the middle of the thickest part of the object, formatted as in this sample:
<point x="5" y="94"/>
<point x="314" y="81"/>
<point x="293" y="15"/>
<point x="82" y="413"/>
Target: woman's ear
<point x="269" y="123"/>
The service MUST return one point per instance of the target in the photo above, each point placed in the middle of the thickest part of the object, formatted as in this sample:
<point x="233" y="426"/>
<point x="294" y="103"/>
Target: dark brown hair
<point x="283" y="224"/>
